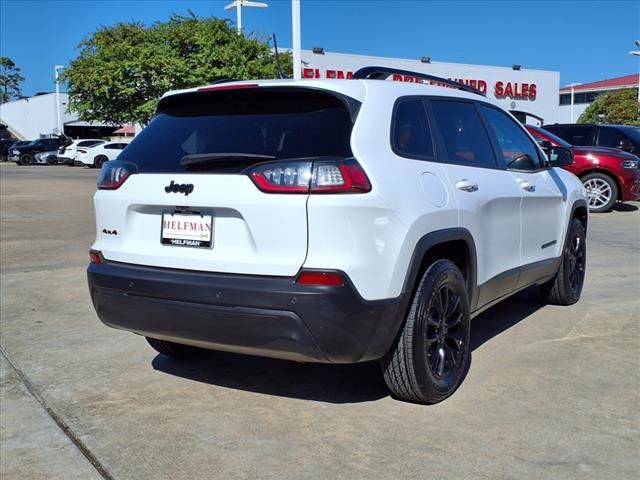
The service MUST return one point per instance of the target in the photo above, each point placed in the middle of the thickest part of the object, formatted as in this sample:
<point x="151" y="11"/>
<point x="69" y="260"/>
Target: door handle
<point x="529" y="187"/>
<point x="466" y="186"/>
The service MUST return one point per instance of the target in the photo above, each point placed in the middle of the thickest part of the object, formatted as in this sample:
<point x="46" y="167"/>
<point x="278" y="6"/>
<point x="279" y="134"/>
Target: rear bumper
<point x="264" y="316"/>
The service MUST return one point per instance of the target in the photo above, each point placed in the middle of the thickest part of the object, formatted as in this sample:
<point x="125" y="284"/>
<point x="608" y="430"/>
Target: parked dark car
<point x="608" y="174"/>
<point x="623" y="137"/>
<point x="24" y="154"/>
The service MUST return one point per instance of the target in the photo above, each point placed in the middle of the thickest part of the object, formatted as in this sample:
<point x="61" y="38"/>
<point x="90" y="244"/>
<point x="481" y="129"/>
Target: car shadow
<point x="625" y="207"/>
<point x="328" y="383"/>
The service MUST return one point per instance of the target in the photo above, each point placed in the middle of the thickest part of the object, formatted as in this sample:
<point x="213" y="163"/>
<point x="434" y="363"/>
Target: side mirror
<point x="625" y="145"/>
<point x="560" y="157"/>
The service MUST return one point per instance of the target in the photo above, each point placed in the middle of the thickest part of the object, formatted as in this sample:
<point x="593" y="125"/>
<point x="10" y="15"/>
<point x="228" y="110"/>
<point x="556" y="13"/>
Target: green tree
<point x="620" y="106"/>
<point x="122" y="70"/>
<point x="10" y="79"/>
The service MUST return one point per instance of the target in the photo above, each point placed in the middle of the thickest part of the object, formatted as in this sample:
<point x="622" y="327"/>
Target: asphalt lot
<point x="553" y="392"/>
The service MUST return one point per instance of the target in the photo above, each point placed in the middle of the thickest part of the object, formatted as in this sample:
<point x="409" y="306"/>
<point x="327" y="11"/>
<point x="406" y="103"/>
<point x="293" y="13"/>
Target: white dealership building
<point x="531" y="95"/>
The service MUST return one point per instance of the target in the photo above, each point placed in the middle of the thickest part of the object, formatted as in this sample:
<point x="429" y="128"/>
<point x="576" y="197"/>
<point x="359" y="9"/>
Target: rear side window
<point x="517" y="149"/>
<point x="411" y="136"/>
<point x="89" y="143"/>
<point x="576" y="135"/>
<point x="465" y="138"/>
<point x="279" y="123"/>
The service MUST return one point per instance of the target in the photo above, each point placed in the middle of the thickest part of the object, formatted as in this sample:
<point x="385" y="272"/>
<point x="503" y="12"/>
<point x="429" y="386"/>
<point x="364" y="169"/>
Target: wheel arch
<point x="455" y="244"/>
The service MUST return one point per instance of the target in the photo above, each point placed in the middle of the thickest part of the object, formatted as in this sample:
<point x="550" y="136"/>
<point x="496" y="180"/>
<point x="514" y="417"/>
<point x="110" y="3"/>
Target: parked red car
<point x="609" y="174"/>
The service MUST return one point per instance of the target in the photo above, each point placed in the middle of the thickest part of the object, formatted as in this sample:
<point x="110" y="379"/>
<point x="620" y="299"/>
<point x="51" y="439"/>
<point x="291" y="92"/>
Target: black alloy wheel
<point x="432" y="353"/>
<point x="566" y="287"/>
<point x="575" y="256"/>
<point x="99" y="161"/>
<point x="444" y="333"/>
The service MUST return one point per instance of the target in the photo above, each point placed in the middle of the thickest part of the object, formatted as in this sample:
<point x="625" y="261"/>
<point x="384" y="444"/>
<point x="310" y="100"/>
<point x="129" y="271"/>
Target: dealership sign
<point x="533" y="92"/>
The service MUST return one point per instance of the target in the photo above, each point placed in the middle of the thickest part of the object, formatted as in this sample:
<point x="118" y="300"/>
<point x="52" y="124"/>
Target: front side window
<point x="411" y="136"/>
<point x="517" y="149"/>
<point x="610" y="137"/>
<point x="465" y="139"/>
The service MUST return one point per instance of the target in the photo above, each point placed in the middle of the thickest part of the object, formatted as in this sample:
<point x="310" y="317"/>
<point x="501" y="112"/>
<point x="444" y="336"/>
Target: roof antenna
<point x="278" y="68"/>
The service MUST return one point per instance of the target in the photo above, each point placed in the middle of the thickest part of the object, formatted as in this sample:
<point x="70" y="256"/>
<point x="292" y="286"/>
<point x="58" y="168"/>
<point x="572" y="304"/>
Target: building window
<point x="565" y="99"/>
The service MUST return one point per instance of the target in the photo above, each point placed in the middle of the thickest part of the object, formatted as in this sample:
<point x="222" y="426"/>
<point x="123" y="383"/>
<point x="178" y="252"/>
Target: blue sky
<point x="584" y="41"/>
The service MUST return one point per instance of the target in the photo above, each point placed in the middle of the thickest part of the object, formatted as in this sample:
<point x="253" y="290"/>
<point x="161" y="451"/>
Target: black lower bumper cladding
<point x="256" y="315"/>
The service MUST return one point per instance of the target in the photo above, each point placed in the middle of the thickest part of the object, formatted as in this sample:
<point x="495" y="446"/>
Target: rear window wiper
<point x="198" y="159"/>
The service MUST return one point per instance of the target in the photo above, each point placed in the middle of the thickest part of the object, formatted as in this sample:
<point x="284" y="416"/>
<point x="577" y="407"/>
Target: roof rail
<point x="382" y="73"/>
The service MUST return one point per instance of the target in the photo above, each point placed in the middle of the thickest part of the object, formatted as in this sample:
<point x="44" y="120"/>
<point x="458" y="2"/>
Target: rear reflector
<point x="228" y="87"/>
<point x="329" y="279"/>
<point x="95" y="256"/>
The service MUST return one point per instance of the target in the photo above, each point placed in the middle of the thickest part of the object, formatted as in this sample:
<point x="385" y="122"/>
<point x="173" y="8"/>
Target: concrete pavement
<point x="553" y="392"/>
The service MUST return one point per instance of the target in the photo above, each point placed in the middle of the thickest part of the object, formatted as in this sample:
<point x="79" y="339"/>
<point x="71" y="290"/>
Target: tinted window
<point x="411" y="136"/>
<point x="574" y="135"/>
<point x="517" y="149"/>
<point x="111" y="146"/>
<point x="89" y="143"/>
<point x="267" y="121"/>
<point x="610" y="137"/>
<point x="464" y="136"/>
<point x="542" y="134"/>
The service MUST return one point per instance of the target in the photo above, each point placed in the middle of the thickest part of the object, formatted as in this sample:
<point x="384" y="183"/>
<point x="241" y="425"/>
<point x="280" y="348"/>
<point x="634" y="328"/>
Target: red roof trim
<point x="627" y="81"/>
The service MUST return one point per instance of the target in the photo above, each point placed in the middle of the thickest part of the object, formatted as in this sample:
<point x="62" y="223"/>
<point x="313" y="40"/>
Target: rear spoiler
<point x="382" y="73"/>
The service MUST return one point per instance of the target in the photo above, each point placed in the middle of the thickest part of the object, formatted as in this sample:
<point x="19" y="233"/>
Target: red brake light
<point x="228" y="87"/>
<point x="327" y="279"/>
<point x="114" y="173"/>
<point x="306" y="176"/>
<point x="95" y="256"/>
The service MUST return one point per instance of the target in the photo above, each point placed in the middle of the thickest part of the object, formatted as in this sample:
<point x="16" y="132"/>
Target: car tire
<point x="602" y="191"/>
<point x="176" y="350"/>
<point x="25" y="159"/>
<point x="566" y="286"/>
<point x="432" y="353"/>
<point x="51" y="160"/>
<point x="99" y="161"/>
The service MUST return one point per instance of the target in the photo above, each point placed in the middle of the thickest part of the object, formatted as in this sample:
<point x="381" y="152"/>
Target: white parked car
<point x="333" y="221"/>
<point x="67" y="155"/>
<point x="96" y="156"/>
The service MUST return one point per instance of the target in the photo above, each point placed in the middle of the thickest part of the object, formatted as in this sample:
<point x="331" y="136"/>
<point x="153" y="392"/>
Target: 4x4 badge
<point x="173" y="187"/>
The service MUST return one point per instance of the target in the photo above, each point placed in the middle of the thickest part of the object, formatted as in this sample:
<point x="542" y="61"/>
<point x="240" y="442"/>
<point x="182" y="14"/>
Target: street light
<point x="572" y="85"/>
<point x="637" y="54"/>
<point x="295" y="37"/>
<point x="238" y="4"/>
<point x="58" y="112"/>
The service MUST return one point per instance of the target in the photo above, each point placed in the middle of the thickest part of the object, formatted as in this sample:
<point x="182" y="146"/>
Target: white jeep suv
<point x="334" y="221"/>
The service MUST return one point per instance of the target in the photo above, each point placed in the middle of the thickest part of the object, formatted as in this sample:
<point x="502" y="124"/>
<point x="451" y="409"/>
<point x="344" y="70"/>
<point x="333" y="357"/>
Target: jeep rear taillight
<point x="311" y="176"/>
<point x="114" y="173"/>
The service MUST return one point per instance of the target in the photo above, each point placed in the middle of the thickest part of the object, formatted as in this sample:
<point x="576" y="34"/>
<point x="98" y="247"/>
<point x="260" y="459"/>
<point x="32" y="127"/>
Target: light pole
<point x="238" y="4"/>
<point x="637" y="54"/>
<point x="295" y="30"/>
<point x="58" y="112"/>
<point x="572" y="85"/>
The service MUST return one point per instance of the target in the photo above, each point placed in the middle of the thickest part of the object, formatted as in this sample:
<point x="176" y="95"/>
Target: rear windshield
<point x="262" y="121"/>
